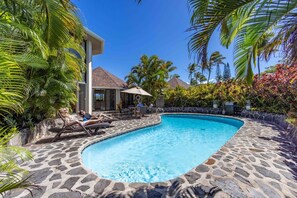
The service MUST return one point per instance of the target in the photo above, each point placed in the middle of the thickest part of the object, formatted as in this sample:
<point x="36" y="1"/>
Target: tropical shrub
<point x="38" y="72"/>
<point x="203" y="95"/>
<point x="42" y="36"/>
<point x="11" y="175"/>
<point x="231" y="90"/>
<point x="272" y="92"/>
<point x="276" y="92"/>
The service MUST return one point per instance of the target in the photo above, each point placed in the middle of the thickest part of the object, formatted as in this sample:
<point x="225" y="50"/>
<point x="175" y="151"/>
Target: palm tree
<point x="13" y="91"/>
<point x="192" y="69"/>
<point x="151" y="74"/>
<point x="35" y="36"/>
<point x="245" y="23"/>
<point x="215" y="58"/>
<point x="175" y="76"/>
<point x="266" y="48"/>
<point x="199" y="77"/>
<point x="227" y="72"/>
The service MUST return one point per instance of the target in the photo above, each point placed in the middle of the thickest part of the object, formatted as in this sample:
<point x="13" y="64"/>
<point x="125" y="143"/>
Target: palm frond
<point x="249" y="39"/>
<point x="12" y="85"/>
<point x="206" y="18"/>
<point x="60" y="24"/>
<point x="246" y="22"/>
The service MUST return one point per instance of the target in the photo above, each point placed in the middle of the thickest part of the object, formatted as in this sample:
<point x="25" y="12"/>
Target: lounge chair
<point x="78" y="127"/>
<point x="106" y="118"/>
<point x="98" y="117"/>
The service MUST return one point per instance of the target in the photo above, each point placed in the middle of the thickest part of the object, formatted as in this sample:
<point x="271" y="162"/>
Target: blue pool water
<point x="162" y="152"/>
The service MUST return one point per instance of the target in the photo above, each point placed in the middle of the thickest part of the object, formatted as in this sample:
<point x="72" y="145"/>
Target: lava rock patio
<point x="257" y="162"/>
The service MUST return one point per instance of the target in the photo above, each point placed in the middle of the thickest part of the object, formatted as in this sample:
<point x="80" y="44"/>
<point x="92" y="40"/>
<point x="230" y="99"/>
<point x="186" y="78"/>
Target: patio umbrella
<point x="137" y="91"/>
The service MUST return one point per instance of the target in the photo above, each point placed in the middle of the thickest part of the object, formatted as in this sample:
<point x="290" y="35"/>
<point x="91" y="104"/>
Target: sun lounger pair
<point x="79" y="127"/>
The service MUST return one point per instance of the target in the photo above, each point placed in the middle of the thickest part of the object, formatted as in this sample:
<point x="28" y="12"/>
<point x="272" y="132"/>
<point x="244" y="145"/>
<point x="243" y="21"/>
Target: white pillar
<point x="89" y="92"/>
<point x="77" y="95"/>
<point x="118" y="97"/>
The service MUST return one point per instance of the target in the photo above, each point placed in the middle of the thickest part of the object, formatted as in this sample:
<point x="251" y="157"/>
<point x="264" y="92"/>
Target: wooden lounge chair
<point x="78" y="127"/>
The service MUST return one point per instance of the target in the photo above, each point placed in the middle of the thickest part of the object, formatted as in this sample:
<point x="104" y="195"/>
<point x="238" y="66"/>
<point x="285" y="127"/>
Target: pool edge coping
<point x="167" y="182"/>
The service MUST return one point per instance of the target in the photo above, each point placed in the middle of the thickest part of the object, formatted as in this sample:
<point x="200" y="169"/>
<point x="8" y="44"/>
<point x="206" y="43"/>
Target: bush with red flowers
<point x="272" y="92"/>
<point x="276" y="92"/>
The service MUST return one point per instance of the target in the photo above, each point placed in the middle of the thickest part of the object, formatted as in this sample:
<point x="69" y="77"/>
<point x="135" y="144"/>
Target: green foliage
<point x="215" y="59"/>
<point x="227" y="72"/>
<point x="270" y="69"/>
<point x="192" y="69"/>
<point x="195" y="76"/>
<point x="38" y="72"/>
<point x="199" y="77"/>
<point x="175" y="76"/>
<point x="218" y="74"/>
<point x="274" y="92"/>
<point x="151" y="74"/>
<point x="203" y="95"/>
<point x="40" y="35"/>
<point x="12" y="176"/>
<point x="247" y="23"/>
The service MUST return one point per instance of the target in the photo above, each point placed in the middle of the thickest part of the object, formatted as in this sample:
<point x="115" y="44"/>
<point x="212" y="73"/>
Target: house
<point x="106" y="90"/>
<point x="176" y="82"/>
<point x="93" y="45"/>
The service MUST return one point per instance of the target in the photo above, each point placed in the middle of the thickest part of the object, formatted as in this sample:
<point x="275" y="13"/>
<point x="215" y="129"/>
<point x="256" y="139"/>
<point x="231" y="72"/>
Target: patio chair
<point x="79" y="127"/>
<point x="142" y="110"/>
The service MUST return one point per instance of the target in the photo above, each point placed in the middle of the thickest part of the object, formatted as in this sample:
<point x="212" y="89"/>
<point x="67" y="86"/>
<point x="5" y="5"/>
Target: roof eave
<point x="97" y="41"/>
<point x="99" y="87"/>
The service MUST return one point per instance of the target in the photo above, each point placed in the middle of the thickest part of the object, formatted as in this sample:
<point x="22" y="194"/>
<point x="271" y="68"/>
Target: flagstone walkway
<point x="257" y="162"/>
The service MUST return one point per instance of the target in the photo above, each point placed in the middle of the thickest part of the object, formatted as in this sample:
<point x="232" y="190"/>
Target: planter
<point x="248" y="105"/>
<point x="215" y="104"/>
<point x="229" y="108"/>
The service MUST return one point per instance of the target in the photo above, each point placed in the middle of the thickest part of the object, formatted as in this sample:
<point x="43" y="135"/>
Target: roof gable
<point x="103" y="79"/>
<point x="175" y="82"/>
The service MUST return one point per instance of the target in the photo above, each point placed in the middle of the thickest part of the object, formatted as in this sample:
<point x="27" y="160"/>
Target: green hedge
<point x="274" y="92"/>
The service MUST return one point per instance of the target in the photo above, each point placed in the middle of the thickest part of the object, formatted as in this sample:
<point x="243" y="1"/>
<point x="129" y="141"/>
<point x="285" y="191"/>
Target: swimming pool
<point x="162" y="152"/>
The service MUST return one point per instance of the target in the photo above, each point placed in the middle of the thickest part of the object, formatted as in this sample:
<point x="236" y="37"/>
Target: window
<point x="99" y="96"/>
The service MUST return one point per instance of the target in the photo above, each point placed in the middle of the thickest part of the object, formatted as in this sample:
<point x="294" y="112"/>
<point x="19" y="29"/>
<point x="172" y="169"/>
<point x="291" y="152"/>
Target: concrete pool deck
<point x="256" y="162"/>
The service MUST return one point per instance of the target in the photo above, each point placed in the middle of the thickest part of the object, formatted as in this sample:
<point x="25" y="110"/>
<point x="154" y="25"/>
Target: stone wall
<point x="26" y="136"/>
<point x="193" y="110"/>
<point x="277" y="119"/>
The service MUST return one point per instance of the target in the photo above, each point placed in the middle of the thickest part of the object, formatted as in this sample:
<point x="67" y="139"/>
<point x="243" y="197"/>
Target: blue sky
<point x="153" y="28"/>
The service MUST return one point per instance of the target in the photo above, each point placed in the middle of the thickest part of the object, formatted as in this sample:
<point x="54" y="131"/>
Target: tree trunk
<point x="259" y="72"/>
<point x="209" y="71"/>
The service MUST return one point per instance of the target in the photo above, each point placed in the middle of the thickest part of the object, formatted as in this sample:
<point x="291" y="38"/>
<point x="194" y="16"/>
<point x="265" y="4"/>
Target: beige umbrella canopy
<point x="137" y="91"/>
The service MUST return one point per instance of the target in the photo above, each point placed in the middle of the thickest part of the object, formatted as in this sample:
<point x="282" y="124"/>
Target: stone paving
<point x="257" y="162"/>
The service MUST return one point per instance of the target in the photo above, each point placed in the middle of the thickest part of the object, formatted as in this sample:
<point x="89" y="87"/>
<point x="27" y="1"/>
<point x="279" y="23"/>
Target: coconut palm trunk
<point x="209" y="71"/>
<point x="259" y="71"/>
